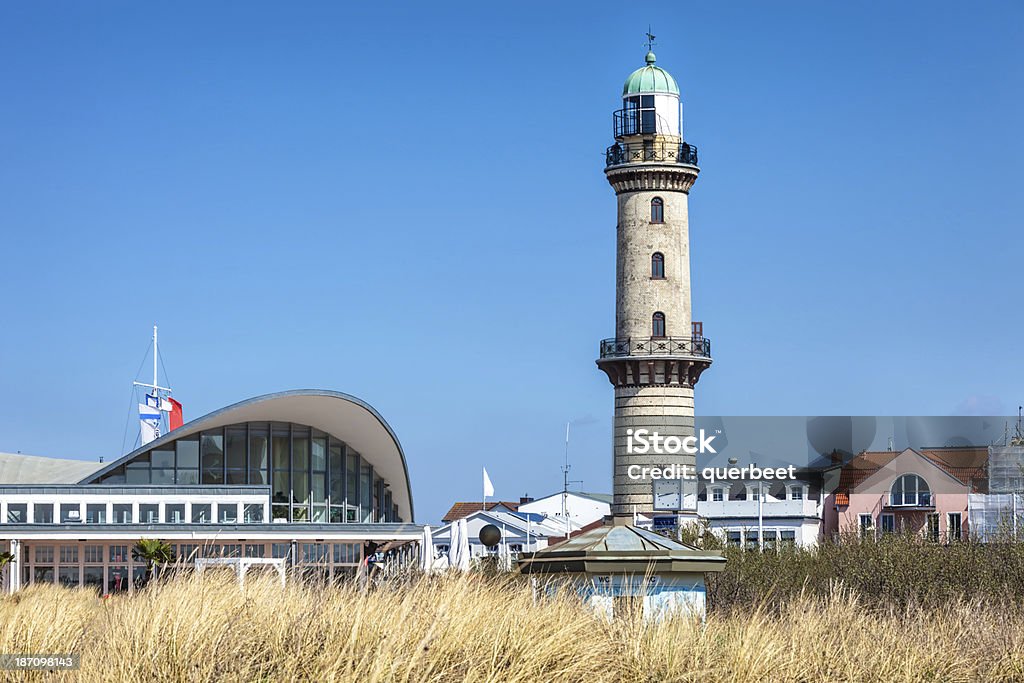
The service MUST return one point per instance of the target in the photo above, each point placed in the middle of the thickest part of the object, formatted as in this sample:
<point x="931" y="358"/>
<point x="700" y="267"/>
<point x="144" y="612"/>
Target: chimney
<point x="523" y="500"/>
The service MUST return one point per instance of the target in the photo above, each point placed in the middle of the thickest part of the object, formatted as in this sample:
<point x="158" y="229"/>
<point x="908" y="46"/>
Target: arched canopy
<point x="339" y="415"/>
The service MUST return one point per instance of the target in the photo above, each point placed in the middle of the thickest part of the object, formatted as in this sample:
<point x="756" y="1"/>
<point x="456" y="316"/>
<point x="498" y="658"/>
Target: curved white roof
<point x="338" y="414"/>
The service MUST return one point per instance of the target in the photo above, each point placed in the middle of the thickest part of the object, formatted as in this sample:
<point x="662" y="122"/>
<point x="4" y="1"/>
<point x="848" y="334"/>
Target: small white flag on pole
<point x="488" y="486"/>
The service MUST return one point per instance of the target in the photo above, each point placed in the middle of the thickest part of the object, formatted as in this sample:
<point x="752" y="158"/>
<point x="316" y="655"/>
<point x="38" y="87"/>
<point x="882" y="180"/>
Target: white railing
<point x="748" y="508"/>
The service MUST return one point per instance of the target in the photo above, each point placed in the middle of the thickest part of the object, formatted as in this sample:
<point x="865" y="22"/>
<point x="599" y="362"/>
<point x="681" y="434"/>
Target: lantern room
<point x="650" y="103"/>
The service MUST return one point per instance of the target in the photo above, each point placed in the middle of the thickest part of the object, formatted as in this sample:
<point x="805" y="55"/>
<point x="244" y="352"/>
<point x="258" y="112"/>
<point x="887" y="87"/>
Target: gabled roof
<point x="460" y="509"/>
<point x="16" y="468"/>
<point x="965" y="464"/>
<point x="545" y="527"/>
<point x="599" y="497"/>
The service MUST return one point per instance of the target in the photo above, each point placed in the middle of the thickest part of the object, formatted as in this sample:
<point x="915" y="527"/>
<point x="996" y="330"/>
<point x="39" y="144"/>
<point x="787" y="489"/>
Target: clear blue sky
<point x="405" y="202"/>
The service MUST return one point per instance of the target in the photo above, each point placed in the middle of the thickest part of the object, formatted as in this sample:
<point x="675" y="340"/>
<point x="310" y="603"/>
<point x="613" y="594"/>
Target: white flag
<point x="488" y="486"/>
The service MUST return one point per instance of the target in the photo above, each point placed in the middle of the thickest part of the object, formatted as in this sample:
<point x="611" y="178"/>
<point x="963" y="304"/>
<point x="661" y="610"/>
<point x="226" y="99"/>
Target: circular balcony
<point x="688" y="347"/>
<point x="656" y="151"/>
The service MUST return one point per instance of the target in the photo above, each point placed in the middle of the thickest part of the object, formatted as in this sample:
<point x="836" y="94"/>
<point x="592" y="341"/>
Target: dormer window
<point x="796" y="492"/>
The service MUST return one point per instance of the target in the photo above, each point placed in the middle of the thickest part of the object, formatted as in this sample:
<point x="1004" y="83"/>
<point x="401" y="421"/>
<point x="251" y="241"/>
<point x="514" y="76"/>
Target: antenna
<point x="565" y="483"/>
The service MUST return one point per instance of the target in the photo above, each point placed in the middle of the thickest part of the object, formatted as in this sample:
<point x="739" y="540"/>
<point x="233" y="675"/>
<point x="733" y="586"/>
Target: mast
<point x="155" y="356"/>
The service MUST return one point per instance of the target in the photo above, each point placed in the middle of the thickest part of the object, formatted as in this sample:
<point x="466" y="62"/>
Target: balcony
<point x="698" y="347"/>
<point x="909" y="501"/>
<point x="747" y="509"/>
<point x="663" y="152"/>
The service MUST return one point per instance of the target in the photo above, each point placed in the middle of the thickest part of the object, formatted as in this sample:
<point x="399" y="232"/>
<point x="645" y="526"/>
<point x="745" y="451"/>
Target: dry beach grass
<point x="474" y="628"/>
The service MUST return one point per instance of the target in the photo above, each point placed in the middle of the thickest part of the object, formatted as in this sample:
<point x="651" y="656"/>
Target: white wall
<point x="582" y="510"/>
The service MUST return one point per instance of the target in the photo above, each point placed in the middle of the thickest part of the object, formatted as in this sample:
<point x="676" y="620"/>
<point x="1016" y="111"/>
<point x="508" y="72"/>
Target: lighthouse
<point x="653" y="361"/>
<point x="658" y="352"/>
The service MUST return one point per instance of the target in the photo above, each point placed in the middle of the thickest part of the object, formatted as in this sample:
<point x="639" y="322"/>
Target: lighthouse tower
<point x="658" y="352"/>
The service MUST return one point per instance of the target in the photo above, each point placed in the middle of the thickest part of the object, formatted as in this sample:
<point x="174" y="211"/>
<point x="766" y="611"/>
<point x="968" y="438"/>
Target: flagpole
<point x="155" y="392"/>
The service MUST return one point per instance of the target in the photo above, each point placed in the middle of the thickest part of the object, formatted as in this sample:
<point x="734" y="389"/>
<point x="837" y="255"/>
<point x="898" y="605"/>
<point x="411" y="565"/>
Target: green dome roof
<point x="650" y="79"/>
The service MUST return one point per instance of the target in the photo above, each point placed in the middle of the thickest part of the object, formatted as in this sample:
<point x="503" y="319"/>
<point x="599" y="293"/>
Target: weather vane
<point x="650" y="39"/>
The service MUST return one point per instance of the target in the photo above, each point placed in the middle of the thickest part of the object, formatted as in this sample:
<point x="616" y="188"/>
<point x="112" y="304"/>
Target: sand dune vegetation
<point x="477" y="628"/>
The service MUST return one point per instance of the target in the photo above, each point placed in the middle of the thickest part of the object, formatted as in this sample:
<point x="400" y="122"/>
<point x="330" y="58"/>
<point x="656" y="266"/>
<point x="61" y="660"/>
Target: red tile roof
<point x="460" y="510"/>
<point x="968" y="465"/>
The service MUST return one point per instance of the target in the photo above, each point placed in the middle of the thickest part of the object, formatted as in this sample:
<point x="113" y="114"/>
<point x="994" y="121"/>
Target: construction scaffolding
<point x="998" y="516"/>
<point x="1006" y="469"/>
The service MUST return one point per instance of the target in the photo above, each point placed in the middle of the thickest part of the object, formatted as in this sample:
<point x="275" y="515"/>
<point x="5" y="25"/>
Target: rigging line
<point x="167" y="379"/>
<point x="131" y="398"/>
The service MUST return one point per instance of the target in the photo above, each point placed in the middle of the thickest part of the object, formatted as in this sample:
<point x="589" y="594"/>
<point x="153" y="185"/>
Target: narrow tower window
<point x="658" y="325"/>
<point x="658" y="266"/>
<point x="657" y="210"/>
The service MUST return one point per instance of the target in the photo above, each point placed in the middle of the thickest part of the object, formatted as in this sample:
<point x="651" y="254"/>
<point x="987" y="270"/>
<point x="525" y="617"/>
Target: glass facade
<point x="314" y="477"/>
<point x="113" y="568"/>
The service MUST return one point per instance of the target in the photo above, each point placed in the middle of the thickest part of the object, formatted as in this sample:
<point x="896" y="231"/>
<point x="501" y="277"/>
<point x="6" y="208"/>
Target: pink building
<point x="921" y="491"/>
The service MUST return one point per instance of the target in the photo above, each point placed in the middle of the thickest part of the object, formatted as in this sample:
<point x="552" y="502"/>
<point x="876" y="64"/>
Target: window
<point x="253" y="513"/>
<point x="201" y="513"/>
<point x="228" y="513"/>
<point x="954" y="526"/>
<point x="717" y="495"/>
<point x="657" y="210"/>
<point x="174" y="513"/>
<point x="255" y="550"/>
<point x="787" y="536"/>
<point x="94" y="554"/>
<point x="864" y="524"/>
<point x="149" y="513"/>
<point x="752" y="542"/>
<point x="187" y="451"/>
<point x="69" y="554"/>
<point x="754" y="493"/>
<point x="734" y="539"/>
<point x="70" y="512"/>
<point x="932" y="528"/>
<point x="796" y="493"/>
<point x="212" y="457"/>
<point x="44" y="554"/>
<point x="96" y="513"/>
<point x="118" y="553"/>
<point x="346" y="553"/>
<point x="658" y="325"/>
<point x="122" y="513"/>
<point x="17" y="513"/>
<point x="279" y="550"/>
<point x="910" y="490"/>
<point x="43" y="513"/>
<point x="888" y="523"/>
<point x="658" y="266"/>
<point x="314" y="552"/>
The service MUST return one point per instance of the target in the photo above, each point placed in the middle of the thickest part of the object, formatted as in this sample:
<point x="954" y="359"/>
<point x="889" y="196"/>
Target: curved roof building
<point x="311" y="478"/>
